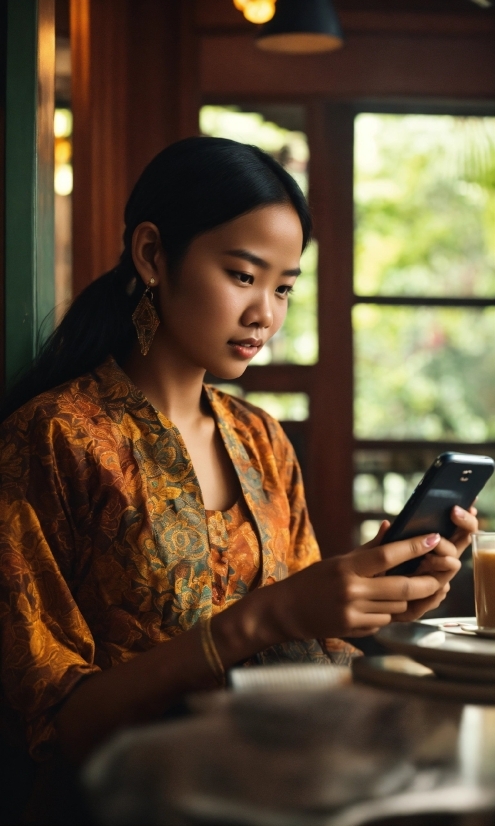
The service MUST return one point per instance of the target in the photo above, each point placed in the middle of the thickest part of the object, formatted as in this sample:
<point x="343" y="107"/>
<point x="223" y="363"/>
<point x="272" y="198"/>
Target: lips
<point x="247" y="347"/>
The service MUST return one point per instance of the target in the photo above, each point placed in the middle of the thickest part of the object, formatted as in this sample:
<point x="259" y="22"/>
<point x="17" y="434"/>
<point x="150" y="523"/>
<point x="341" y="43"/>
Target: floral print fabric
<point x="105" y="546"/>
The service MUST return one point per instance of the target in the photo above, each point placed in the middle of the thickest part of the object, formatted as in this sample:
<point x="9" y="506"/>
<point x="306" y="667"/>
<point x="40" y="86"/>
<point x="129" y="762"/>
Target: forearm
<point x="142" y="689"/>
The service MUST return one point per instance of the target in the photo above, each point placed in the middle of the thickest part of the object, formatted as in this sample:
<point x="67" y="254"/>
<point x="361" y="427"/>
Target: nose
<point x="259" y="313"/>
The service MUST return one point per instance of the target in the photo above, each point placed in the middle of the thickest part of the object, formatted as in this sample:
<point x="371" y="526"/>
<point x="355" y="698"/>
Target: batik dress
<point x="106" y="548"/>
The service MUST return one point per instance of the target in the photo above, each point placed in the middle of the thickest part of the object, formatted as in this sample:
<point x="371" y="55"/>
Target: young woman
<point x="137" y="504"/>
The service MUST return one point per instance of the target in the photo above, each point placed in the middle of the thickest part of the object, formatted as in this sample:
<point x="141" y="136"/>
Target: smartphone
<point x="452" y="479"/>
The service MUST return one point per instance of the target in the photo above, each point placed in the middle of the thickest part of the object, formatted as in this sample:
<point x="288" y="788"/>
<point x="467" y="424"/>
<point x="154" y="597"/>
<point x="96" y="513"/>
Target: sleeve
<point x="46" y="644"/>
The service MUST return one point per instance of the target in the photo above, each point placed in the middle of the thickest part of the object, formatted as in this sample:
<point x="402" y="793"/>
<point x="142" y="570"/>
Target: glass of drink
<point x="484" y="579"/>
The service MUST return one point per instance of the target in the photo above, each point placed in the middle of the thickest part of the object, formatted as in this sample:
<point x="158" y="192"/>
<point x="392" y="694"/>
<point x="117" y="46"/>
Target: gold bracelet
<point x="210" y="651"/>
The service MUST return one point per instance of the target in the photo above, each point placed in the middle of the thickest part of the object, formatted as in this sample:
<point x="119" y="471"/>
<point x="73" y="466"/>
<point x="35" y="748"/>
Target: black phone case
<point x="452" y="479"/>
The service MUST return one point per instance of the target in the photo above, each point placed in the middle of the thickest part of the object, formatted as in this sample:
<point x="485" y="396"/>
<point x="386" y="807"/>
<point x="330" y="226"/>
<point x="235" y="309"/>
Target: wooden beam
<point x="99" y="85"/>
<point x="278" y="378"/>
<point x="330" y="463"/>
<point x="369" y="66"/>
<point x="135" y="90"/>
<point x="154" y="89"/>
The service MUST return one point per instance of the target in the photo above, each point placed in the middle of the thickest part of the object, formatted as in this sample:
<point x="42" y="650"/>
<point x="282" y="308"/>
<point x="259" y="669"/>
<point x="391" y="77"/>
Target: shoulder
<point x="76" y="398"/>
<point x="103" y="393"/>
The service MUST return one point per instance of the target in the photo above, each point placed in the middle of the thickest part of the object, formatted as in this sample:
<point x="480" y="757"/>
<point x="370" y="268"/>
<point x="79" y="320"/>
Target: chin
<point x="227" y="372"/>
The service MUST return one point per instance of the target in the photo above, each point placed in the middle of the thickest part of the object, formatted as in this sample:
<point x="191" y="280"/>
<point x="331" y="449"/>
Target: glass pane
<point x="289" y="407"/>
<point x="425" y="205"/>
<point x="424" y="373"/>
<point x="286" y="407"/>
<point x="279" y="130"/>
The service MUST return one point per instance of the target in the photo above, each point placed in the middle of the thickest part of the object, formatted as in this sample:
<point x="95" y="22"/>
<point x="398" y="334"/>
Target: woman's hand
<point x="349" y="596"/>
<point x="443" y="563"/>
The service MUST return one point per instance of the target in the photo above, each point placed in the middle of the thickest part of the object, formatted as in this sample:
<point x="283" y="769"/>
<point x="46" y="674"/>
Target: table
<point x="341" y="756"/>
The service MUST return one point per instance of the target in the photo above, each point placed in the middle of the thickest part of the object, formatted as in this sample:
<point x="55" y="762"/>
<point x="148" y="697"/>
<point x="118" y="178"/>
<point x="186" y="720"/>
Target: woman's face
<point x="230" y="295"/>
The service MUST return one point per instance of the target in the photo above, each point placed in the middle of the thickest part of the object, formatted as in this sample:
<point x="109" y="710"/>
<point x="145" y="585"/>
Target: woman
<point x="137" y="504"/>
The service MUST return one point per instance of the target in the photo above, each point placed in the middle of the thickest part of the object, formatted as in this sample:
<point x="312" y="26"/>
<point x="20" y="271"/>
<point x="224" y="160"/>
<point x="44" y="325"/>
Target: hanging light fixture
<point x="256" y="11"/>
<point x="302" y="27"/>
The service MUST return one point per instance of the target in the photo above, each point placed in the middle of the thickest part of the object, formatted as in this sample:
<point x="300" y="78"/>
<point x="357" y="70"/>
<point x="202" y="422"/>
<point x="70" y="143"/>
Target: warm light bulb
<point x="240" y="4"/>
<point x="259" y="11"/>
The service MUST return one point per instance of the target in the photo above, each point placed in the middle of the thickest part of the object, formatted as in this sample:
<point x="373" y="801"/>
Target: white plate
<point x="437" y="648"/>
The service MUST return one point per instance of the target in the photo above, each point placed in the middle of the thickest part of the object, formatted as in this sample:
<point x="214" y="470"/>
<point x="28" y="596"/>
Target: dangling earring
<point x="145" y="319"/>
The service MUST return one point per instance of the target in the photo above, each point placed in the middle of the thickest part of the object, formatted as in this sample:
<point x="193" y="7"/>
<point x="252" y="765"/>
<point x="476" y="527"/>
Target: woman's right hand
<point x="349" y="595"/>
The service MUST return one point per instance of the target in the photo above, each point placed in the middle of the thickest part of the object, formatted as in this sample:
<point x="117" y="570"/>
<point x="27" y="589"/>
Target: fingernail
<point x="431" y="540"/>
<point x="459" y="512"/>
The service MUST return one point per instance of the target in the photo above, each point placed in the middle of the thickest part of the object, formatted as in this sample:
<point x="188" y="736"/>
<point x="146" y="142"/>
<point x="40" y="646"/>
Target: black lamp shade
<point x="301" y="27"/>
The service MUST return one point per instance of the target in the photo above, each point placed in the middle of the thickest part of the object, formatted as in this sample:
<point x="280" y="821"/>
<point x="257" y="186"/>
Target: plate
<point x="453" y="625"/>
<point x="483" y="632"/>
<point x="399" y="672"/>
<point x="436" y="648"/>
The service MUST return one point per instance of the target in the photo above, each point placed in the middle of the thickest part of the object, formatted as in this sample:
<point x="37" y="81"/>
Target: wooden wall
<point x="133" y="92"/>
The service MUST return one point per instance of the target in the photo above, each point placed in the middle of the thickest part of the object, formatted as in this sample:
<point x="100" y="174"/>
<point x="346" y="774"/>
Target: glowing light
<point x="240" y="4"/>
<point x="63" y="151"/>
<point x="62" y="123"/>
<point x="63" y="179"/>
<point x="259" y="11"/>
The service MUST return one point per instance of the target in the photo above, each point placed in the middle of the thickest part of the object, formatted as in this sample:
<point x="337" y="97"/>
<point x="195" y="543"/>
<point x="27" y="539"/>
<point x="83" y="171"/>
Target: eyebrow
<point x="257" y="261"/>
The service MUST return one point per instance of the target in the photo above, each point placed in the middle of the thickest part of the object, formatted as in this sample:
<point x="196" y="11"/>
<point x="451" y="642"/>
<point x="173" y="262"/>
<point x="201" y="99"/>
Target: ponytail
<point x="98" y="323"/>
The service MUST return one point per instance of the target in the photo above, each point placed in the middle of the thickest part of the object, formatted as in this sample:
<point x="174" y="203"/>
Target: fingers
<point x="376" y="560"/>
<point x="416" y="609"/>
<point x="466" y="525"/>
<point x="433" y="564"/>
<point x="383" y="607"/>
<point x="401" y="588"/>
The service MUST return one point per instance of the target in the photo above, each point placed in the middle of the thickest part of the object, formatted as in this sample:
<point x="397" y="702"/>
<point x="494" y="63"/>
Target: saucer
<point x="481" y="632"/>
<point x="465" y="657"/>
<point x="465" y="626"/>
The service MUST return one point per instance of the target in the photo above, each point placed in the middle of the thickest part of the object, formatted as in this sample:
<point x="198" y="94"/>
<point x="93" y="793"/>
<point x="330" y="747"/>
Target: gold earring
<point x="145" y="319"/>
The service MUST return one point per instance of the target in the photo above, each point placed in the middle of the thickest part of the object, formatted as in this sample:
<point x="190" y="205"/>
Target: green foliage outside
<point x="425" y="226"/>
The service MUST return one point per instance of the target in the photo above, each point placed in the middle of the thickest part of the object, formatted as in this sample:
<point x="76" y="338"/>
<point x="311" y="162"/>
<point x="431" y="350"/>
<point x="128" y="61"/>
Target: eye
<point x="243" y="277"/>
<point x="284" y="290"/>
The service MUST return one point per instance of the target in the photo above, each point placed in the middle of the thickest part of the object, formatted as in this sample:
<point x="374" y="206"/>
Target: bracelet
<point x="210" y="651"/>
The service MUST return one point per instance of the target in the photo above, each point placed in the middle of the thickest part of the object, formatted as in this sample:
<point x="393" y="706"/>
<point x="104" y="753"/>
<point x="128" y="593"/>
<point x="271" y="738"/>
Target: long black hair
<point x="190" y="188"/>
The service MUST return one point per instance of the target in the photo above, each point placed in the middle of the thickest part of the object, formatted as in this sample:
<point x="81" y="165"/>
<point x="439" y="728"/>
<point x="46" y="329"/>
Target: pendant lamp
<point x="301" y="27"/>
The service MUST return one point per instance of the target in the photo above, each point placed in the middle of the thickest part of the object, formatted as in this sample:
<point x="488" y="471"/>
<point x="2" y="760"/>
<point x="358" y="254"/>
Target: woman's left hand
<point x="442" y="563"/>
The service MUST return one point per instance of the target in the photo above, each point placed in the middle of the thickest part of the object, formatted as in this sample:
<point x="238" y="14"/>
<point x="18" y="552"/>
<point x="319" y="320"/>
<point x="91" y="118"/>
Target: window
<point x="424" y="311"/>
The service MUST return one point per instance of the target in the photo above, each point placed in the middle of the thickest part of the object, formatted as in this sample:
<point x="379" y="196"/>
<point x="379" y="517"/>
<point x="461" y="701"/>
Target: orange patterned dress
<point x="105" y="546"/>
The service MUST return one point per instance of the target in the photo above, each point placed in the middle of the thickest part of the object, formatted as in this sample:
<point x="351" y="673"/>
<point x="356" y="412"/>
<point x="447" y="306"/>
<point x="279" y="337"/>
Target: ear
<point x="148" y="254"/>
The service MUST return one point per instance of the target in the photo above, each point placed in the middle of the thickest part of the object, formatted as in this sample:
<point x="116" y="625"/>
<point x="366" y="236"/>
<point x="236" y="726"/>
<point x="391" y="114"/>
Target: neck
<point x="170" y="383"/>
